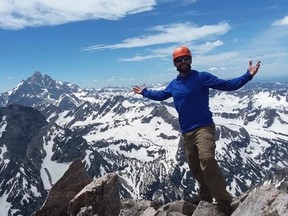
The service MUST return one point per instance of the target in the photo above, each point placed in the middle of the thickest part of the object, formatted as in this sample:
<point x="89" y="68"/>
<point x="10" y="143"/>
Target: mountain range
<point x="46" y="124"/>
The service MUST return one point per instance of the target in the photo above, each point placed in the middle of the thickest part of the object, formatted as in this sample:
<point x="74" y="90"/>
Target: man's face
<point x="183" y="64"/>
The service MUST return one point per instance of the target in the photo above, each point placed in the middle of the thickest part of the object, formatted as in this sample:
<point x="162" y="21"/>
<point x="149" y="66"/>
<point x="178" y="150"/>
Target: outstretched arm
<point x="214" y="82"/>
<point x="154" y="95"/>
<point x="253" y="69"/>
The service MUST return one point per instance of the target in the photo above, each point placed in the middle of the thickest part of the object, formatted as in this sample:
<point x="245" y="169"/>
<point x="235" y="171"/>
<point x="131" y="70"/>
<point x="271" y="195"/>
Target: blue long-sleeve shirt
<point x="191" y="96"/>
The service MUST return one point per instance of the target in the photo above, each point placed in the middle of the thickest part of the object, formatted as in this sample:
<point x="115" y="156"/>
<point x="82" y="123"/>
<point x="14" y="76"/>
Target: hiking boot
<point x="225" y="208"/>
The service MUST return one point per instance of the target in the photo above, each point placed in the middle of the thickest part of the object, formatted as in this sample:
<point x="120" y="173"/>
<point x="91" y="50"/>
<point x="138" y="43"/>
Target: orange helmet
<point x="181" y="51"/>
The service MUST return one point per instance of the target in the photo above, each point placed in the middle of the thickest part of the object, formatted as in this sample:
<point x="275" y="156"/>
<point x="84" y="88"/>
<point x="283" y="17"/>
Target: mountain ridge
<point x="117" y="131"/>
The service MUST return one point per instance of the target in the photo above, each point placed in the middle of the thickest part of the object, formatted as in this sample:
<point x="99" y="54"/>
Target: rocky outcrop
<point x="100" y="197"/>
<point x="268" y="198"/>
<point x="73" y="181"/>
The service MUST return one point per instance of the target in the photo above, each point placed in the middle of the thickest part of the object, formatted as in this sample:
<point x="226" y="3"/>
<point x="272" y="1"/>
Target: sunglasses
<point x="180" y="59"/>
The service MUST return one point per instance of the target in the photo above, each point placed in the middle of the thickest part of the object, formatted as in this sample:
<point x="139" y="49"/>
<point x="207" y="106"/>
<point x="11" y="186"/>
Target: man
<point x="190" y="92"/>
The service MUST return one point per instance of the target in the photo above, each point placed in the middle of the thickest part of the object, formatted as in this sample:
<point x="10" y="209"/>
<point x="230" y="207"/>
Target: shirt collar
<point x="184" y="77"/>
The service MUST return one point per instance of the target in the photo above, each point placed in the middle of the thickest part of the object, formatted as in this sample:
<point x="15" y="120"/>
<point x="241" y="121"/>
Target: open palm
<point x="253" y="69"/>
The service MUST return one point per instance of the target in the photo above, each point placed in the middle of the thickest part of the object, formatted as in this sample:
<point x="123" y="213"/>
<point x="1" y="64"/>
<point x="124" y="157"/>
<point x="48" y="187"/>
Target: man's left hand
<point x="253" y="69"/>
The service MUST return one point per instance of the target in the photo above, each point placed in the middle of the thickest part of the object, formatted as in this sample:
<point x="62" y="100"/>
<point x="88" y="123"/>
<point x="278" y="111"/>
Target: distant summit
<point x="39" y="89"/>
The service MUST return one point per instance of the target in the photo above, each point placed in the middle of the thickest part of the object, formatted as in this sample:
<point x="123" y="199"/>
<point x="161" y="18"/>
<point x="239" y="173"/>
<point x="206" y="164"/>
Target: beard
<point x="184" y="68"/>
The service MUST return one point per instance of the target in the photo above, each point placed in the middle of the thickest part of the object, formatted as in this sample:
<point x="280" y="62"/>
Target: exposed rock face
<point x="206" y="209"/>
<point x="101" y="197"/>
<point x="266" y="200"/>
<point x="270" y="198"/>
<point x="73" y="181"/>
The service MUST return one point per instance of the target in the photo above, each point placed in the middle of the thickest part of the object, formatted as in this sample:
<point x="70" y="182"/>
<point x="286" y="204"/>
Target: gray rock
<point x="206" y="209"/>
<point x="180" y="206"/>
<point x="102" y="194"/>
<point x="150" y="211"/>
<point x="266" y="200"/>
<point x="73" y="181"/>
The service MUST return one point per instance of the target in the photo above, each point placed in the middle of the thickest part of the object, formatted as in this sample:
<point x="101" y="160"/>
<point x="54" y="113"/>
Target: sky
<point x="97" y="43"/>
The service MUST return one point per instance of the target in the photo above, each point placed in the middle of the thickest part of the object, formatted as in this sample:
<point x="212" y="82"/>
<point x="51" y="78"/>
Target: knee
<point x="206" y="156"/>
<point x="207" y="162"/>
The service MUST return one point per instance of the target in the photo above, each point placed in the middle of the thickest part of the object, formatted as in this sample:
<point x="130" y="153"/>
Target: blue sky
<point x="96" y="43"/>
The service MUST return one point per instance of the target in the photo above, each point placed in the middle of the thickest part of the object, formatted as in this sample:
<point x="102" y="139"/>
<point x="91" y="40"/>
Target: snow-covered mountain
<point x="114" y="130"/>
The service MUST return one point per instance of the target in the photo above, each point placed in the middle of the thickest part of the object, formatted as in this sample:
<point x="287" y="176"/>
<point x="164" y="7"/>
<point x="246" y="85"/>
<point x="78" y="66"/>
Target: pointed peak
<point x="37" y="73"/>
<point x="38" y="77"/>
<point x="35" y="78"/>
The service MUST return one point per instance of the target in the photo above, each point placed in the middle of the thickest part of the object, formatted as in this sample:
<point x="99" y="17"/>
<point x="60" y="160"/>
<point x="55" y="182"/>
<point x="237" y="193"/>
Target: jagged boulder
<point x="181" y="206"/>
<point x="101" y="195"/>
<point x="269" y="198"/>
<point x="151" y="208"/>
<point x="175" y="208"/>
<point x="73" y="181"/>
<point x="206" y="209"/>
